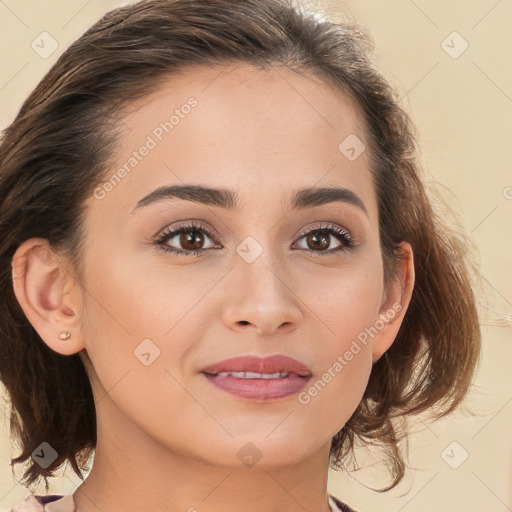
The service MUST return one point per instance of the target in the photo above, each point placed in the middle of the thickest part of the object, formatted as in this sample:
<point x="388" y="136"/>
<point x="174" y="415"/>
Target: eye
<point x="190" y="236"/>
<point x="318" y="239"/>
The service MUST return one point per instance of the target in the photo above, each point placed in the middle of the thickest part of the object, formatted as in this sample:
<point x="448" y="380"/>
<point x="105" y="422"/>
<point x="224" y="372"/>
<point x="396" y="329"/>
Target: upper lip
<point x="270" y="364"/>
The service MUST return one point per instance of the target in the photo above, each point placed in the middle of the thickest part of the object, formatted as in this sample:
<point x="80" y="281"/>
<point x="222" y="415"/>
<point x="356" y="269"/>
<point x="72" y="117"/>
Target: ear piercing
<point x="65" y="335"/>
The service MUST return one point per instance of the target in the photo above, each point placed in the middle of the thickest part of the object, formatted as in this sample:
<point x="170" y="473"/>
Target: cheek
<point x="135" y="308"/>
<point x="136" y="336"/>
<point x="332" y="396"/>
<point x="346" y="300"/>
<point x="347" y="313"/>
<point x="341" y="377"/>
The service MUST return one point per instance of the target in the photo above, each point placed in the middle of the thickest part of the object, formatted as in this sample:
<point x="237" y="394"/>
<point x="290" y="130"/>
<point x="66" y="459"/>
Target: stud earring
<point x="64" y="335"/>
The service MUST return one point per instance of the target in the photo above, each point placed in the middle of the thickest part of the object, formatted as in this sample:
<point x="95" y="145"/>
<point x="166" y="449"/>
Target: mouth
<point x="259" y="379"/>
<point x="254" y="375"/>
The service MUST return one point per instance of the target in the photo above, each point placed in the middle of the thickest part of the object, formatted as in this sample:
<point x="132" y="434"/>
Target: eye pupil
<point x="187" y="239"/>
<point x="317" y="239"/>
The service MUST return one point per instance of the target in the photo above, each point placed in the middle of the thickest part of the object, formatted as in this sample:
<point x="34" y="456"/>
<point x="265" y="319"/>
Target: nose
<point x="263" y="297"/>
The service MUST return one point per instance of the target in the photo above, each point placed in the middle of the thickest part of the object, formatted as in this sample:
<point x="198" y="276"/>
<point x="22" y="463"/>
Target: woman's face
<point x="260" y="285"/>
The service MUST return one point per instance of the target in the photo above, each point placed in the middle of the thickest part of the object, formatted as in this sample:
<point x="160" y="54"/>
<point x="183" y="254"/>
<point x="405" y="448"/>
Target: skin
<point x="167" y="438"/>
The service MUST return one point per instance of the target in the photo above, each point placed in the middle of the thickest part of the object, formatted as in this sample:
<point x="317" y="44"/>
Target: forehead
<point x="262" y="132"/>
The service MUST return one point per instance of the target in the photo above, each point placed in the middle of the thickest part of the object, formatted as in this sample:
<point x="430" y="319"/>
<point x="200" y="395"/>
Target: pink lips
<point x="255" y="388"/>
<point x="271" y="364"/>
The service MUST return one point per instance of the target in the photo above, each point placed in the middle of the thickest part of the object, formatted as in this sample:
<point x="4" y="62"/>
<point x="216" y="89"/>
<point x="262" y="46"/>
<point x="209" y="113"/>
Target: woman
<point x="220" y="267"/>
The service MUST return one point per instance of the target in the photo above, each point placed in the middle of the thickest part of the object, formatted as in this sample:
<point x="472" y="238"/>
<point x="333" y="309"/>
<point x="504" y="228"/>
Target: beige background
<point x="463" y="109"/>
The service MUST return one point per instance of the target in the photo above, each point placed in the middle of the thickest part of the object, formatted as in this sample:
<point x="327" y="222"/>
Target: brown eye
<point x="319" y="240"/>
<point x="186" y="240"/>
<point x="191" y="240"/>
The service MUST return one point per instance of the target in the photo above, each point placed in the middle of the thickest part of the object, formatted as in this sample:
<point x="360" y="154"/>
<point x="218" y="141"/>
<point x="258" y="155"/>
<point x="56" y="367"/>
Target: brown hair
<point x="58" y="148"/>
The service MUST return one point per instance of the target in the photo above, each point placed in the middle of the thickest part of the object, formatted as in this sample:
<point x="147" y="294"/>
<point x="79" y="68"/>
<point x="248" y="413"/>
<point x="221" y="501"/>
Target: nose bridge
<point x="259" y="261"/>
<point x="262" y="292"/>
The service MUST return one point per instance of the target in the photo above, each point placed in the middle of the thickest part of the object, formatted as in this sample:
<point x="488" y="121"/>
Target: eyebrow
<point x="228" y="199"/>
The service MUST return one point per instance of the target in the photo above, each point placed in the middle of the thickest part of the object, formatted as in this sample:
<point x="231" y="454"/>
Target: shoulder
<point x="342" y="507"/>
<point x="60" y="503"/>
<point x="39" y="503"/>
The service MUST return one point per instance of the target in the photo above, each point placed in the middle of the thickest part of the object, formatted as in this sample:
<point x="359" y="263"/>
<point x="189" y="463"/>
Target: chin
<point x="253" y="452"/>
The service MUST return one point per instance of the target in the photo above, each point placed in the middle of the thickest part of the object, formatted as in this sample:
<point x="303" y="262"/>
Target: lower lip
<point x="259" y="389"/>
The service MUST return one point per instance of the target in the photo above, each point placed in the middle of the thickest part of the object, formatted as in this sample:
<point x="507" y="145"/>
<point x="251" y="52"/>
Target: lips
<point x="259" y="379"/>
<point x="250" y="366"/>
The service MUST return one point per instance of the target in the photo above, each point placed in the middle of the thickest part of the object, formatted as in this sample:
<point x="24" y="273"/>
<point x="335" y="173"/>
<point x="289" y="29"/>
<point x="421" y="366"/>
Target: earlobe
<point x="395" y="301"/>
<point x="45" y="292"/>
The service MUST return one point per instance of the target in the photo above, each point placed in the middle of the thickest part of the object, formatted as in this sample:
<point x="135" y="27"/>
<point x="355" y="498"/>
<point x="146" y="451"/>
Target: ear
<point x="48" y="295"/>
<point x="395" y="300"/>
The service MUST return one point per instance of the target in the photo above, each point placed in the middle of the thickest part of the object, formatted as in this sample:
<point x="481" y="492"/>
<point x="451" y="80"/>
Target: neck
<point x="132" y="471"/>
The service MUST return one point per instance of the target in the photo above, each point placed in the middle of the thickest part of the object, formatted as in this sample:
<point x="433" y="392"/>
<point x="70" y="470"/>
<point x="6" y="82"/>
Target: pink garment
<point x="51" y="503"/>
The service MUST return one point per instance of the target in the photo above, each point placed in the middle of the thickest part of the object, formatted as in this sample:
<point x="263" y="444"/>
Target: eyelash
<point x="343" y="236"/>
